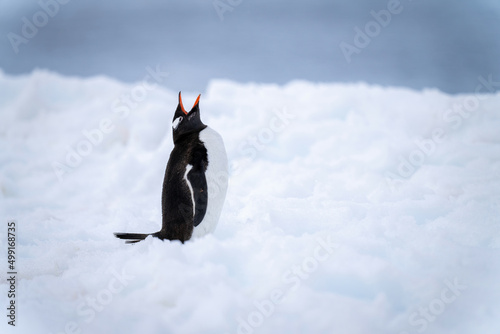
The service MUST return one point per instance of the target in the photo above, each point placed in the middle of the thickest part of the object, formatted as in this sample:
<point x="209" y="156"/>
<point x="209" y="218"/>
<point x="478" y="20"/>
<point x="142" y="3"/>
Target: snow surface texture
<point x="350" y="209"/>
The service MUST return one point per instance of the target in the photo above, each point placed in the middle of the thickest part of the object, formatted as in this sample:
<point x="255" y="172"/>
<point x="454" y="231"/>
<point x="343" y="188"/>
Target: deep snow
<point x="350" y="209"/>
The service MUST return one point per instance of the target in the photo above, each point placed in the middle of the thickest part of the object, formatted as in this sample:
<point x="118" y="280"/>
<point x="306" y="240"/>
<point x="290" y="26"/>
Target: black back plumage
<point x="184" y="184"/>
<point x="178" y="215"/>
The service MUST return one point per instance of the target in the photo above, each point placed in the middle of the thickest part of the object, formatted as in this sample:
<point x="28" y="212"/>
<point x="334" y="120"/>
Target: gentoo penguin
<point x="195" y="182"/>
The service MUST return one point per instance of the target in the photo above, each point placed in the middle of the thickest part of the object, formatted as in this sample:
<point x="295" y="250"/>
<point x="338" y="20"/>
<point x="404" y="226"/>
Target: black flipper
<point x="198" y="181"/>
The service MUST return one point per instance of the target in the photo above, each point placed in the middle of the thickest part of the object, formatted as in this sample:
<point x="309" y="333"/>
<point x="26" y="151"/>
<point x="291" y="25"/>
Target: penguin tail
<point x="132" y="238"/>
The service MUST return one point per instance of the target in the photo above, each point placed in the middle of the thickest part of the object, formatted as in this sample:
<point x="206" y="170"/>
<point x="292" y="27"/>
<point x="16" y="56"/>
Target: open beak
<point x="182" y="106"/>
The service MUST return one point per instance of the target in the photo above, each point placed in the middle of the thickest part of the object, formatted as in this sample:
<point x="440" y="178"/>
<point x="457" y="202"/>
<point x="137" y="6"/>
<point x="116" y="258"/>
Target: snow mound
<point x="350" y="209"/>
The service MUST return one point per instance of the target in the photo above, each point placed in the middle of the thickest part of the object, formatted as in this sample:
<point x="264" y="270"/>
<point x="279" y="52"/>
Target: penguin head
<point x="186" y="122"/>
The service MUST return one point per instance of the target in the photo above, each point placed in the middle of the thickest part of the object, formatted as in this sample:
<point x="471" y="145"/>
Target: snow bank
<point x="351" y="209"/>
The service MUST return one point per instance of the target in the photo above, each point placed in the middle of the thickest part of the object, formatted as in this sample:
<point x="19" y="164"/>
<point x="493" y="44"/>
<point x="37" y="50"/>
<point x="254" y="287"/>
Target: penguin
<point x="195" y="182"/>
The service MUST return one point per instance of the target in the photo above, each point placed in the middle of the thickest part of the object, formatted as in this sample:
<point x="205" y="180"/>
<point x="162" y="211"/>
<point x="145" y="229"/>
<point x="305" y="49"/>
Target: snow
<point x="350" y="209"/>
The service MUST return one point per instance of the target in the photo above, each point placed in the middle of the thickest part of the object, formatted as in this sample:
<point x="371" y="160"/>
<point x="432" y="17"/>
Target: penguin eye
<point x="176" y="122"/>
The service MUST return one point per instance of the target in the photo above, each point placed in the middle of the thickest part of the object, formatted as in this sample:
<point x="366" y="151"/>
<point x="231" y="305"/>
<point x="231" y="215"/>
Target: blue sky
<point x="444" y="44"/>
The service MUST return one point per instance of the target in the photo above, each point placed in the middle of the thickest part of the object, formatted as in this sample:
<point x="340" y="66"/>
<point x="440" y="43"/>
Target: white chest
<point x="217" y="176"/>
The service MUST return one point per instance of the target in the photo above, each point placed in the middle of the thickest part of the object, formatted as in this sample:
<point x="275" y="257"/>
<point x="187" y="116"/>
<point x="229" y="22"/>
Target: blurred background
<point x="443" y="44"/>
<point x="404" y="182"/>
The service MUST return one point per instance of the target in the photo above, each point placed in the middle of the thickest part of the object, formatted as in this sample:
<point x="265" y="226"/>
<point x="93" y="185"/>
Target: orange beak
<point x="197" y="101"/>
<point x="182" y="106"/>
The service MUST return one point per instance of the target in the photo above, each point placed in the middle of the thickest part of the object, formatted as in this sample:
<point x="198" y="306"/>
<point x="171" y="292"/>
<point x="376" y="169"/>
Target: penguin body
<point x="216" y="174"/>
<point x="195" y="182"/>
